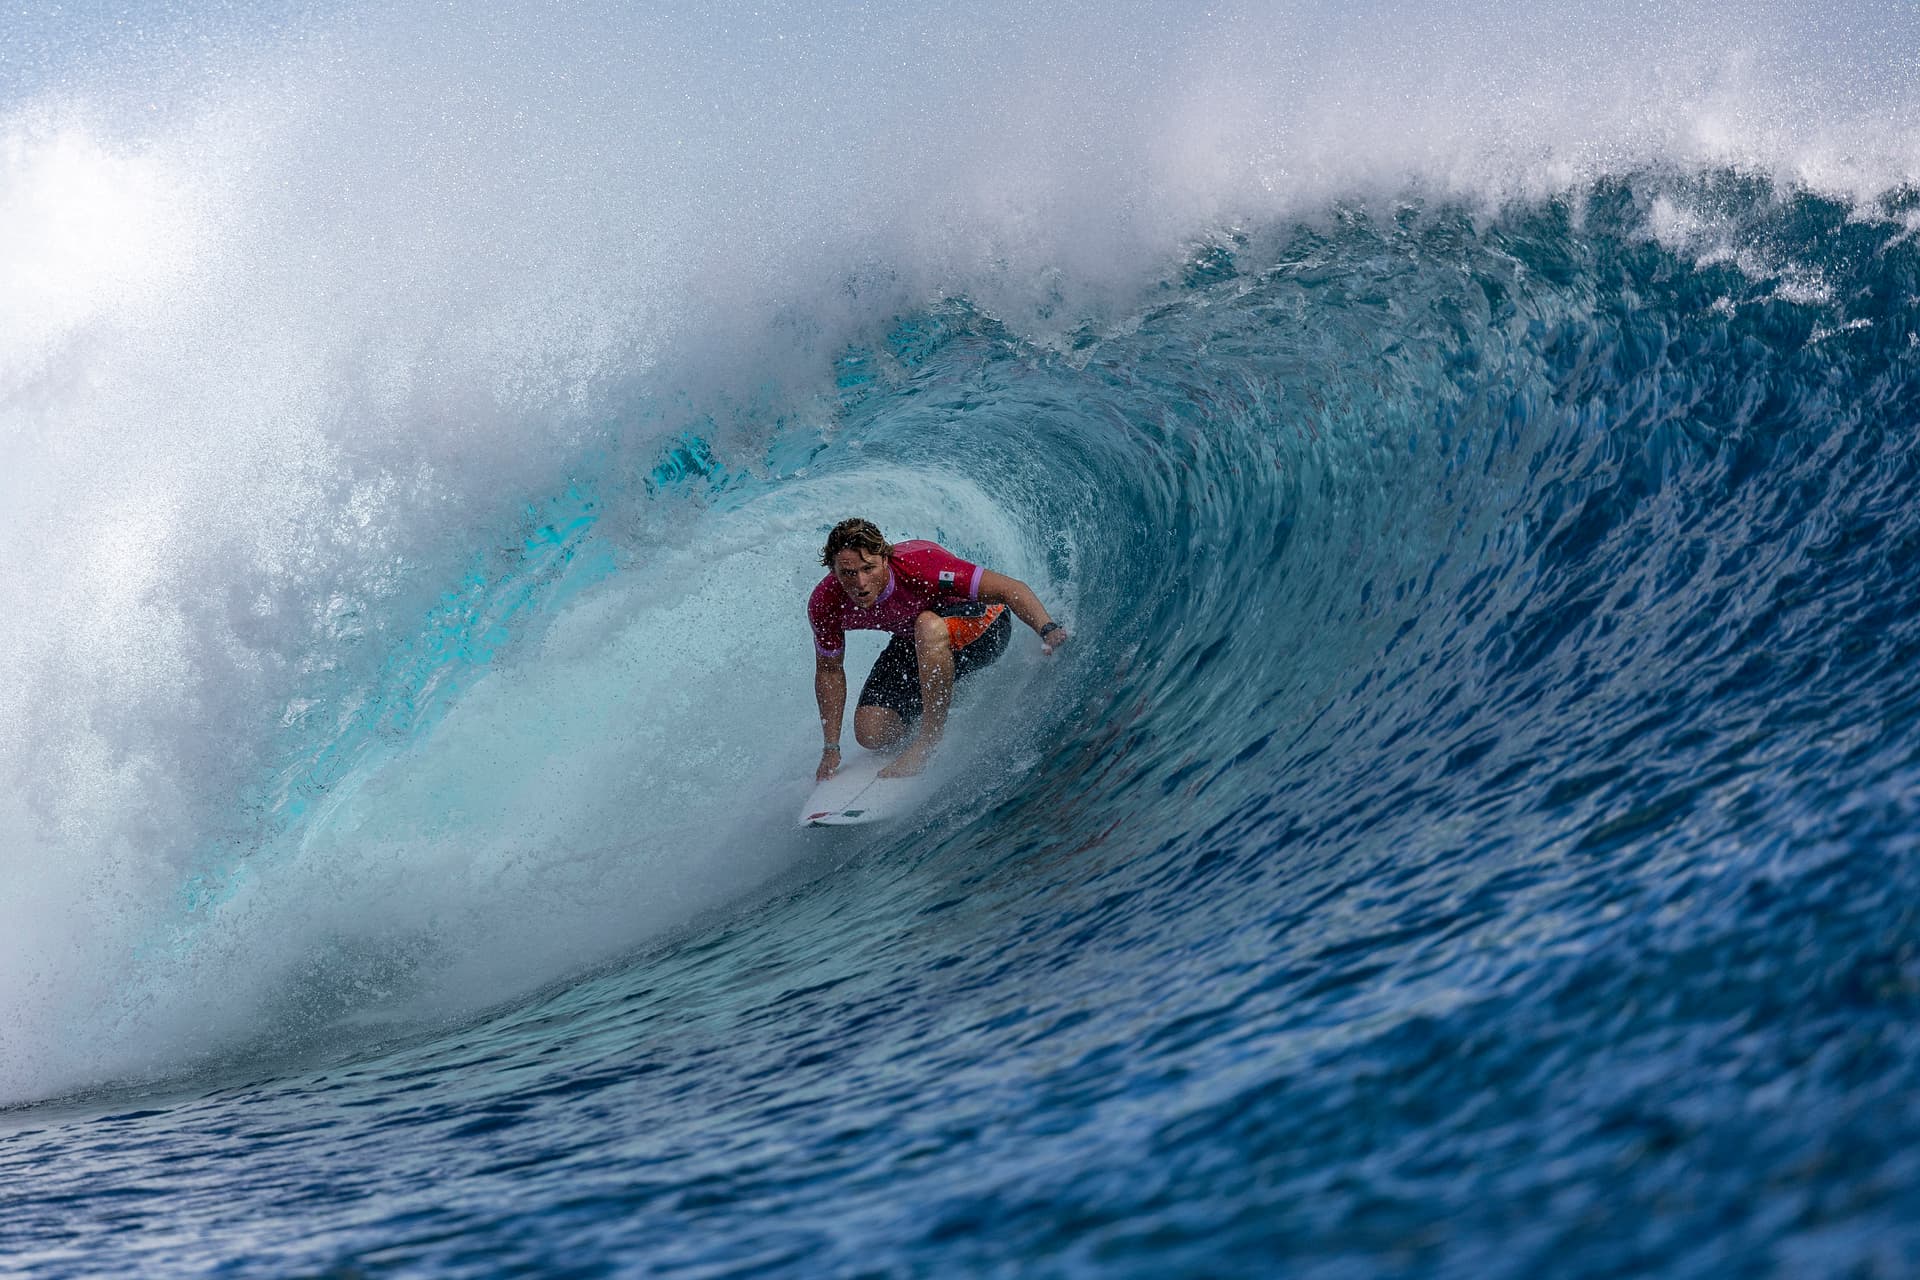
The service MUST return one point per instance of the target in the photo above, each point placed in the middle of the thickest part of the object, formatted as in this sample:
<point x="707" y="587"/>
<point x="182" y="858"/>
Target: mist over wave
<point x="311" y="327"/>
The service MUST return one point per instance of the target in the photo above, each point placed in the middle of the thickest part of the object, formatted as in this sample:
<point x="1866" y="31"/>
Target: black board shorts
<point x="894" y="682"/>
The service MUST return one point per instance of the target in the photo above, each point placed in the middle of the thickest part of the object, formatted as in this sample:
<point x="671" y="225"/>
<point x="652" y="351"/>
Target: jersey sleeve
<point x="829" y="637"/>
<point x="938" y="571"/>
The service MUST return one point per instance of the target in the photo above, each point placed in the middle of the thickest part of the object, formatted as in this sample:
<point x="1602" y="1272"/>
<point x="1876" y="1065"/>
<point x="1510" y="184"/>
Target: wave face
<point x="1471" y="831"/>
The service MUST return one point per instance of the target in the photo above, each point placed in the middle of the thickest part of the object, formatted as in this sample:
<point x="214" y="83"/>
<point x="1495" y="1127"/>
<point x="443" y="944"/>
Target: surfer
<point x="948" y="618"/>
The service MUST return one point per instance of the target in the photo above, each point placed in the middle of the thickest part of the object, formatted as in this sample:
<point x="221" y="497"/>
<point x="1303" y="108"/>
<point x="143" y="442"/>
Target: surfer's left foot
<point x="908" y="762"/>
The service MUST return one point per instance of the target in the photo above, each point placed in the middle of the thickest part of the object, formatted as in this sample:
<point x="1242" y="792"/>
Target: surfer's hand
<point x="829" y="765"/>
<point x="1053" y="640"/>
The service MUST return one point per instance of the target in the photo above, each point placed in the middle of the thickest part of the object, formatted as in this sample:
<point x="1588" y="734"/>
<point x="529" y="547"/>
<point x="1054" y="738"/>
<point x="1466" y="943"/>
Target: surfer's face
<point x="861" y="574"/>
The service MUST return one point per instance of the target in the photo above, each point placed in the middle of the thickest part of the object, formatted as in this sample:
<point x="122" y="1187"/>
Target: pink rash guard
<point x="921" y="575"/>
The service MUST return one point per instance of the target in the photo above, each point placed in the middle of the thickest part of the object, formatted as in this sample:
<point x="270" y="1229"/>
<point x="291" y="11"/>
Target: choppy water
<point x="1472" y="831"/>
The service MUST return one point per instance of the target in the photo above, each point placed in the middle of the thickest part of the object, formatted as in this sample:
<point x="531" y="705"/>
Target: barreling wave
<point x="1484" y="765"/>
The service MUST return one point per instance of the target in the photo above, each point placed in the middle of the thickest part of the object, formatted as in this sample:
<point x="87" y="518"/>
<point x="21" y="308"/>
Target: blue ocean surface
<point x="1473" y="831"/>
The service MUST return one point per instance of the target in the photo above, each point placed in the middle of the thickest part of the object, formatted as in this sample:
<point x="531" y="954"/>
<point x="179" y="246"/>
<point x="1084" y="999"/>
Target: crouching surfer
<point x="948" y="618"/>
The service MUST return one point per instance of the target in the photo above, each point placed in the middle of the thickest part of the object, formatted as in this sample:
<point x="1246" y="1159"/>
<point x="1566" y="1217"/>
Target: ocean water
<point x="1473" y="830"/>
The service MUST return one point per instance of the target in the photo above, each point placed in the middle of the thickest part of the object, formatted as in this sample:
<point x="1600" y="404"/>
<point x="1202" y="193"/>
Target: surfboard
<point x="858" y="795"/>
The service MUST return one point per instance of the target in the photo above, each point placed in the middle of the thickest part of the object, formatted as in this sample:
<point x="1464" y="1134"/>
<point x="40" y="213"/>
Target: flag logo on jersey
<point x="946" y="577"/>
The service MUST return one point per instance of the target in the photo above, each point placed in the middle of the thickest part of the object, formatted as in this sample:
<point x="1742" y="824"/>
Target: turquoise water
<point x="1471" y="832"/>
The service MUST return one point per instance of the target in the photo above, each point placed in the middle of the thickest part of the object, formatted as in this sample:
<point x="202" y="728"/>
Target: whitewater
<point x="1473" y="830"/>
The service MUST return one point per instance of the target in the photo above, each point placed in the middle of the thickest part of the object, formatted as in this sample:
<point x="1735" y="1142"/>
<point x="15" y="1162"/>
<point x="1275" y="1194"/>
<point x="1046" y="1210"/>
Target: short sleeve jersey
<point x="922" y="574"/>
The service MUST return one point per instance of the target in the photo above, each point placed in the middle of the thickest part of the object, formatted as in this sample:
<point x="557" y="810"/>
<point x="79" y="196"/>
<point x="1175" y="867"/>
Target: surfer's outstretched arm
<point x="998" y="588"/>
<point x="830" y="691"/>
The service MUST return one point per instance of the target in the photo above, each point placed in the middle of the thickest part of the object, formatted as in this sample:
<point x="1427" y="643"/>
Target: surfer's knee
<point x="930" y="633"/>
<point x="876" y="728"/>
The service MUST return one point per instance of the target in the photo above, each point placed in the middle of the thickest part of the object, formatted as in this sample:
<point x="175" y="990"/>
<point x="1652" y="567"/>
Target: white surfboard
<point x="858" y="795"/>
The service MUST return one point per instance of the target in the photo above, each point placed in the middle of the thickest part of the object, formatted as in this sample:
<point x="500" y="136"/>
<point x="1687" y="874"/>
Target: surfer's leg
<point x="877" y="728"/>
<point x="890" y="699"/>
<point x="933" y="652"/>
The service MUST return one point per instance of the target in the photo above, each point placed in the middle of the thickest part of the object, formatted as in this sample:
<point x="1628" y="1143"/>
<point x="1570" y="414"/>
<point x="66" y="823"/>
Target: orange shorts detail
<point x="962" y="632"/>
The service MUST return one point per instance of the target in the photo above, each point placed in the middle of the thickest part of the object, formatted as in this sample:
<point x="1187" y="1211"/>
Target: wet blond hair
<point x="858" y="534"/>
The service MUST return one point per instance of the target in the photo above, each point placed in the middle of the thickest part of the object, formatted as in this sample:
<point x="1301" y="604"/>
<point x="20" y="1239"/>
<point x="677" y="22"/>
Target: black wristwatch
<point x="1049" y="629"/>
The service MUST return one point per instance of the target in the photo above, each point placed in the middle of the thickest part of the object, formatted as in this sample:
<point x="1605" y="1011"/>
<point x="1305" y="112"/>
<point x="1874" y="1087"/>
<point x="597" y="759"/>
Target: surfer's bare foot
<point x="908" y="762"/>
